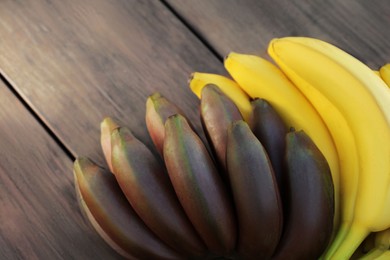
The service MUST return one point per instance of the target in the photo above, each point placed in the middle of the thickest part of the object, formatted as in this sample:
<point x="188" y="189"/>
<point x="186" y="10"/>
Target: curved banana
<point x="363" y="100"/>
<point x="217" y="112"/>
<point x="158" y="109"/>
<point x="309" y="207"/>
<point x="261" y="79"/>
<point x="147" y="187"/>
<point x="384" y="73"/>
<point x="271" y="131"/>
<point x="231" y="89"/>
<point x="107" y="126"/>
<point x="255" y="192"/>
<point x="342" y="135"/>
<point x="111" y="215"/>
<point x="199" y="186"/>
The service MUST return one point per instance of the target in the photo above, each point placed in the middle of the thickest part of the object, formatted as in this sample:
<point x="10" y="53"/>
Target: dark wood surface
<point x="357" y="26"/>
<point x="67" y="64"/>
<point x="39" y="216"/>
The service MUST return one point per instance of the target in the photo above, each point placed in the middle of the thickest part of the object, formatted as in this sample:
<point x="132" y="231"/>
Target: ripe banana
<point x="112" y="216"/>
<point x="342" y="135"/>
<point x="107" y="126"/>
<point x="259" y="78"/>
<point x="217" y="112"/>
<point x="146" y="185"/>
<point x="158" y="109"/>
<point x="384" y="73"/>
<point x="309" y="208"/>
<point x="270" y="129"/>
<point x="229" y="87"/>
<point x="198" y="186"/>
<point x="255" y="192"/>
<point x="362" y="98"/>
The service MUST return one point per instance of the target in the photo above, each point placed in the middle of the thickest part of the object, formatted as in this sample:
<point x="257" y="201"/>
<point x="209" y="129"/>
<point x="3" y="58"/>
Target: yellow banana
<point x="229" y="87"/>
<point x="384" y="72"/>
<point x="259" y="78"/>
<point x="344" y="142"/>
<point x="359" y="94"/>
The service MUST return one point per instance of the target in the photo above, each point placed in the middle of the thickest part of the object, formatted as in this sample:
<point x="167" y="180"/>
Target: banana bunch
<point x="351" y="102"/>
<point x="244" y="193"/>
<point x="295" y="164"/>
<point x="362" y="99"/>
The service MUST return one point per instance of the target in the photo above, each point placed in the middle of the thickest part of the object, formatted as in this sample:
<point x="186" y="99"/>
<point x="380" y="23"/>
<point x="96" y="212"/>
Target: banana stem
<point x="373" y="253"/>
<point x="344" y="228"/>
<point x="351" y="242"/>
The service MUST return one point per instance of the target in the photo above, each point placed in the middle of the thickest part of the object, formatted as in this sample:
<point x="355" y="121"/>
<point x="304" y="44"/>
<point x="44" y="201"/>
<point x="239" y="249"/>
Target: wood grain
<point x="76" y="62"/>
<point x="39" y="216"/>
<point x="359" y="27"/>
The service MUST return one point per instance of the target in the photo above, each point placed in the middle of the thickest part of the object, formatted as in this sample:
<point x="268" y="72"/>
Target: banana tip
<point x="227" y="56"/>
<point x="155" y="96"/>
<point x="190" y="78"/>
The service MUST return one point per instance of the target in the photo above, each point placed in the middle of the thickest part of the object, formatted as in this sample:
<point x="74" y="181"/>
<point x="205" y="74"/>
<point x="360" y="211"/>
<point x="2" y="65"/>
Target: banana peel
<point x="111" y="215"/>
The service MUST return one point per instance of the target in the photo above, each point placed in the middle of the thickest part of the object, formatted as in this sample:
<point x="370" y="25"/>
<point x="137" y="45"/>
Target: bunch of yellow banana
<point x="362" y="99"/>
<point x="351" y="105"/>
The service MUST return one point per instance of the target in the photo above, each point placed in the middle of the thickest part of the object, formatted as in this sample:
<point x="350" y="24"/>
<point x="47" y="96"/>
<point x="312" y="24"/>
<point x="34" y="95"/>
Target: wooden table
<point x="67" y="64"/>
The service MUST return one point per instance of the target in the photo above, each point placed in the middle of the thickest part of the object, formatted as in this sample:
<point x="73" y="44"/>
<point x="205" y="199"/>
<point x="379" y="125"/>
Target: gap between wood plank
<point x="57" y="140"/>
<point x="193" y="30"/>
<point x="49" y="131"/>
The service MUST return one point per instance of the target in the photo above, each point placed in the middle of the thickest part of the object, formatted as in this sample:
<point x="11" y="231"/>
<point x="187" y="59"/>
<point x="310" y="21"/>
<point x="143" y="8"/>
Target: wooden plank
<point x="360" y="27"/>
<point x="39" y="217"/>
<point x="77" y="61"/>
